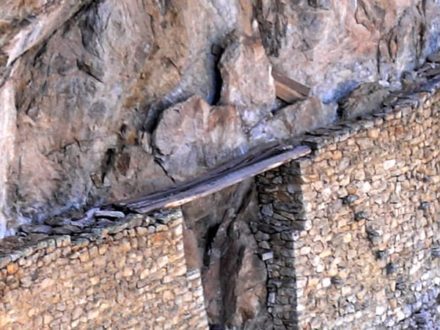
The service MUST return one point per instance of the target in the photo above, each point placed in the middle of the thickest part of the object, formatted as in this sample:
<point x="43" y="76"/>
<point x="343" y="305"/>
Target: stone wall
<point x="351" y="234"/>
<point x="131" y="274"/>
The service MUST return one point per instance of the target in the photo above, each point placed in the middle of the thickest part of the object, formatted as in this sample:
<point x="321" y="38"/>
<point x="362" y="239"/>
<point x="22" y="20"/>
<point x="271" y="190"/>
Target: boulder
<point x="192" y="137"/>
<point x="293" y="120"/>
<point x="364" y="100"/>
<point x="247" y="80"/>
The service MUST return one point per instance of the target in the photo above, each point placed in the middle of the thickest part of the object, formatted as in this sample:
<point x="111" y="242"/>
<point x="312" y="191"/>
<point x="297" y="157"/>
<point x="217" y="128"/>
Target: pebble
<point x="350" y="199"/>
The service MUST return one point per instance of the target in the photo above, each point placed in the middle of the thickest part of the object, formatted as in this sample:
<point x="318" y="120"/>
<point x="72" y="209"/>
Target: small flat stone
<point x="164" y="216"/>
<point x="36" y="229"/>
<point x="391" y="268"/>
<point x="337" y="281"/>
<point x="435" y="252"/>
<point x="4" y="260"/>
<point x="381" y="255"/>
<point x="372" y="232"/>
<point x="66" y="230"/>
<point x="55" y="222"/>
<point x="401" y="285"/>
<point x="424" y="206"/>
<point x="35" y="238"/>
<point x="104" y="222"/>
<point x="361" y="215"/>
<point x="267" y="256"/>
<point x="264" y="245"/>
<point x="373" y="235"/>
<point x="83" y="223"/>
<point x="350" y="199"/>
<point x="389" y="164"/>
<point x="109" y="214"/>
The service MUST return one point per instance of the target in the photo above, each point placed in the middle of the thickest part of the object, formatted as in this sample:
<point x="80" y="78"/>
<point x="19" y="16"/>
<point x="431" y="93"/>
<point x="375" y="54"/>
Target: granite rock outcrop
<point x="84" y="85"/>
<point x="104" y="100"/>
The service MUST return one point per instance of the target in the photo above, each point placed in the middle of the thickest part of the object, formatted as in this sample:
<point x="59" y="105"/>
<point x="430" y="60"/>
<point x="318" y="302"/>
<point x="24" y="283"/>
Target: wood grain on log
<point x="231" y="173"/>
<point x="288" y="89"/>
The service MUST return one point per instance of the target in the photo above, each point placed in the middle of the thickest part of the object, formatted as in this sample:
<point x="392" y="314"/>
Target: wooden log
<point x="252" y="156"/>
<point x="212" y="183"/>
<point x="432" y="72"/>
<point x="288" y="89"/>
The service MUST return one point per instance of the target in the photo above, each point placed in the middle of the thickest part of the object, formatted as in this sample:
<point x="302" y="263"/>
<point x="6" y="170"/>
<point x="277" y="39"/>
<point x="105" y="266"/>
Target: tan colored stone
<point x="12" y="268"/>
<point x="373" y="133"/>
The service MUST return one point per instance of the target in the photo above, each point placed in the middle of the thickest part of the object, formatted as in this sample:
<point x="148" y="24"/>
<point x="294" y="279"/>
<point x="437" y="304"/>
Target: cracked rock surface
<point x="89" y="89"/>
<point x="105" y="100"/>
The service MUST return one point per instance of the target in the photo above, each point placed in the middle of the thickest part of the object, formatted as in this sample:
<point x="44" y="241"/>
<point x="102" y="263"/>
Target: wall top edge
<point x="13" y="248"/>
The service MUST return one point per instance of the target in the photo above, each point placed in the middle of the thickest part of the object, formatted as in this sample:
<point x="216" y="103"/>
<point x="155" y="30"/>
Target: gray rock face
<point x="24" y="25"/>
<point x="247" y="80"/>
<point x="84" y="101"/>
<point x="334" y="45"/>
<point x="233" y="276"/>
<point x="294" y="119"/>
<point x="192" y="137"/>
<point x="363" y="100"/>
<point x="87" y="89"/>
<point x="104" y="100"/>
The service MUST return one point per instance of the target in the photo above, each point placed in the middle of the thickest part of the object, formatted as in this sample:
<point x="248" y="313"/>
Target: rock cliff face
<point x="89" y="88"/>
<point x="101" y="100"/>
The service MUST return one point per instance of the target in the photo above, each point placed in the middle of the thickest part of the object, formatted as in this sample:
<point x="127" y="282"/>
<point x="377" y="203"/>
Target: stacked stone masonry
<point x="130" y="275"/>
<point x="351" y="234"/>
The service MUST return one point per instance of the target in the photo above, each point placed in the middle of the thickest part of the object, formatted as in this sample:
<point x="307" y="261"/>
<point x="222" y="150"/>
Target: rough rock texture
<point x="7" y="140"/>
<point x="87" y="99"/>
<point x="363" y="100"/>
<point x="345" y="237"/>
<point x="84" y="83"/>
<point x="334" y="45"/>
<point x="233" y="275"/>
<point x="103" y="100"/>
<point x="293" y="120"/>
<point x="204" y="136"/>
<point x="247" y="80"/>
<point x="27" y="23"/>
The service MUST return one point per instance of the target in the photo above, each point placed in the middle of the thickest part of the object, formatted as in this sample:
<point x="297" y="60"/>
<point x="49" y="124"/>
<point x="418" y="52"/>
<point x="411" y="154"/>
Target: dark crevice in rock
<point x="233" y="275"/>
<point x="272" y="24"/>
<point x="91" y="26"/>
<point x="209" y="240"/>
<point x="216" y="54"/>
<point x="89" y="70"/>
<point x="278" y="105"/>
<point x="159" y="162"/>
<point x="154" y="111"/>
<point x="108" y="162"/>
